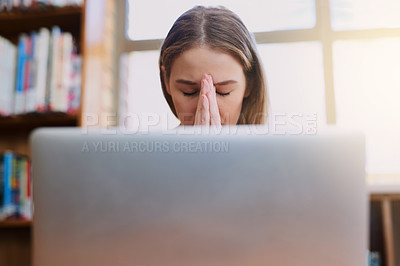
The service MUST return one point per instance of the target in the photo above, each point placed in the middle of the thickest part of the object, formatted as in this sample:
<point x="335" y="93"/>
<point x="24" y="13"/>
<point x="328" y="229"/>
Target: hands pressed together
<point x="207" y="112"/>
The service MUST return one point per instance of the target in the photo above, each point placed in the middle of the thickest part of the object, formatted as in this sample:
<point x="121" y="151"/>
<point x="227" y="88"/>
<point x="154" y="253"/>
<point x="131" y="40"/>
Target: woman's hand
<point x="207" y="112"/>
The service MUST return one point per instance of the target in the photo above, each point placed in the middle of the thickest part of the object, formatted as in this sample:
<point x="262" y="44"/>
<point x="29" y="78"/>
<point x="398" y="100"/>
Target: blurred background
<point x="338" y="59"/>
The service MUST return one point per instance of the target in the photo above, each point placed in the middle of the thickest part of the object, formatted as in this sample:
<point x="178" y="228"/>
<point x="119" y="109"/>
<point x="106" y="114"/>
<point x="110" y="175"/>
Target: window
<point x="367" y="90"/>
<point x="333" y="58"/>
<point x="158" y="16"/>
<point x="365" y="14"/>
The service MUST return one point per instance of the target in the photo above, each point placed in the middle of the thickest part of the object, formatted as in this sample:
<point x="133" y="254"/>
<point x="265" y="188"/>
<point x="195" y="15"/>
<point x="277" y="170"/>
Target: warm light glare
<point x="367" y="87"/>
<point x="364" y="14"/>
<point x="295" y="79"/>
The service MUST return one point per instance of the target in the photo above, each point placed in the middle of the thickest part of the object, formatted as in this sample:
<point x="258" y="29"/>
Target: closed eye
<point x="223" y="94"/>
<point x="190" y="94"/>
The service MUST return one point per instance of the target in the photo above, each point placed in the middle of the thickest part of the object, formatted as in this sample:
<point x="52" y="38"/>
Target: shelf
<point x="24" y="21"/>
<point x="15" y="224"/>
<point x="34" y="120"/>
<point x="39" y="12"/>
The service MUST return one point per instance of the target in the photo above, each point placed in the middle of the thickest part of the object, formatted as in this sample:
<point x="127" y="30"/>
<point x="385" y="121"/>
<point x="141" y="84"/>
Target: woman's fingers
<point x="207" y="111"/>
<point x="197" y="116"/>
<point x="202" y="116"/>
<point x="215" y="118"/>
<point x="205" y="87"/>
<point x="203" y="106"/>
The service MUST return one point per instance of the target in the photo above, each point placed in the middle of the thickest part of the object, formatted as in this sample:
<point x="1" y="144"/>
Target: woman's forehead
<point x="195" y="62"/>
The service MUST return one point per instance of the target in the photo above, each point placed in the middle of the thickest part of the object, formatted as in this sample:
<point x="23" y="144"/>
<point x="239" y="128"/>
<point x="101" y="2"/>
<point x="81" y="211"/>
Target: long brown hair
<point x="221" y="29"/>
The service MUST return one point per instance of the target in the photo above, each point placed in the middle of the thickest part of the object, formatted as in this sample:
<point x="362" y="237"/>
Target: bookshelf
<point x="15" y="235"/>
<point x="68" y="18"/>
<point x="384" y="191"/>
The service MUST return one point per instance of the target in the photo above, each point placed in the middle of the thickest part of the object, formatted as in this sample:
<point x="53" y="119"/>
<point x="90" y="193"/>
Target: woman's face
<point x="228" y="77"/>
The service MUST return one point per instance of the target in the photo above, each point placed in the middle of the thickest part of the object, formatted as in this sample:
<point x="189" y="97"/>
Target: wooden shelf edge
<point x="40" y="119"/>
<point x="15" y="223"/>
<point x="36" y="12"/>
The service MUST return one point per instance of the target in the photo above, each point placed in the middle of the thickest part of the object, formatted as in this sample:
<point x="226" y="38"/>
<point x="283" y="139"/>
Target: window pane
<point x="295" y="79"/>
<point x="367" y="87"/>
<point x="145" y="103"/>
<point x="361" y="14"/>
<point x="152" y="19"/>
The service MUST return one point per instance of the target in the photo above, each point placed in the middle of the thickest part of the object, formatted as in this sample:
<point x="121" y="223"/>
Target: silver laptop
<point x="221" y="199"/>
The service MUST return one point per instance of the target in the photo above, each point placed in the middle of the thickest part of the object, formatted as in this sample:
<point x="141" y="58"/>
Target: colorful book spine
<point x="19" y="106"/>
<point x="40" y="74"/>
<point x="75" y="85"/>
<point x="42" y="60"/>
<point x="374" y="259"/>
<point x="2" y="173"/>
<point x="27" y="72"/>
<point x="27" y="207"/>
<point x="54" y="68"/>
<point x="32" y="75"/>
<point x="15" y="185"/>
<point x="7" y="208"/>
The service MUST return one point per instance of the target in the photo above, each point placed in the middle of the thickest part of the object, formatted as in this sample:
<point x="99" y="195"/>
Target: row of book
<point x="18" y="4"/>
<point x="15" y="187"/>
<point x="374" y="259"/>
<point x="41" y="74"/>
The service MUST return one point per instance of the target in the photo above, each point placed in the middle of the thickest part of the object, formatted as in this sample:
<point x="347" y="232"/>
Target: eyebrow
<point x="192" y="83"/>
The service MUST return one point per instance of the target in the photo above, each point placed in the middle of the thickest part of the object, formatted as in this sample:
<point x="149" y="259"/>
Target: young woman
<point x="210" y="71"/>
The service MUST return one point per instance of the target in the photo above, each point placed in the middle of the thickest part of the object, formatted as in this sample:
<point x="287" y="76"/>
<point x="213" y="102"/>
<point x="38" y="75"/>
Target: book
<point x="30" y="92"/>
<point x="19" y="104"/>
<point x="42" y="62"/>
<point x="7" y="208"/>
<point x="27" y="192"/>
<point x="10" y="72"/>
<point x="66" y="69"/>
<point x="374" y="258"/>
<point x="16" y="3"/>
<point x="15" y="187"/>
<point x="7" y="73"/>
<point x="1" y="185"/>
<point x="75" y="84"/>
<point x="54" y="68"/>
<point x="23" y="200"/>
<point x="27" y="72"/>
<point x="27" y="3"/>
<point x="15" y="184"/>
<point x="41" y="74"/>
<point x="8" y="4"/>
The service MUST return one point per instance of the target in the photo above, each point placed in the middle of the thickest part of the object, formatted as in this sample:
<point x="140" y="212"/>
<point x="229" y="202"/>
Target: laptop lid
<point x="189" y="199"/>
